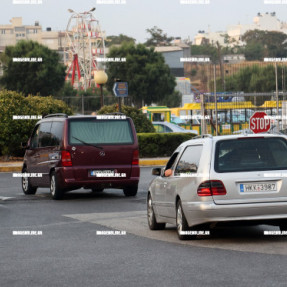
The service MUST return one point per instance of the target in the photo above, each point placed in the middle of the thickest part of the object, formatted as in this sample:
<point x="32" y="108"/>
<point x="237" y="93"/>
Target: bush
<point x="142" y="123"/>
<point x="47" y="105"/>
<point x="160" y="144"/>
<point x="14" y="132"/>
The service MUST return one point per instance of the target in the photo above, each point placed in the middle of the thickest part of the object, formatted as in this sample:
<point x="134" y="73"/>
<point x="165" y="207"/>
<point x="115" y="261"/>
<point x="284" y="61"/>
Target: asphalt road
<point x="69" y="251"/>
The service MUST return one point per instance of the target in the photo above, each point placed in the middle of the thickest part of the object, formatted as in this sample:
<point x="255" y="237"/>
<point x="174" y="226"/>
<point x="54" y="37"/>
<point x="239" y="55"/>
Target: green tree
<point x="14" y="131"/>
<point x="118" y="40"/>
<point x="141" y="122"/>
<point x="206" y="50"/>
<point x="148" y="76"/>
<point x="44" y="77"/>
<point x="157" y="38"/>
<point x="265" y="43"/>
<point x="255" y="79"/>
<point x="254" y="51"/>
<point x="172" y="101"/>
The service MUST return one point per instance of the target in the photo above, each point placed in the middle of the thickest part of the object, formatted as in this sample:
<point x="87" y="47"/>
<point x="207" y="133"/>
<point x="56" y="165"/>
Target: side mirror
<point x="156" y="171"/>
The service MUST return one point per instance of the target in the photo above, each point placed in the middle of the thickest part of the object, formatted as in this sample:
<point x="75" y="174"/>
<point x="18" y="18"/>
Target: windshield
<point x="179" y="128"/>
<point x="92" y="131"/>
<point x="251" y="154"/>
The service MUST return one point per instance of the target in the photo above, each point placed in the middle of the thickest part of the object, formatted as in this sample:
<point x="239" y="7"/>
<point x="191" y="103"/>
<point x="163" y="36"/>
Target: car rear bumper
<point x="68" y="180"/>
<point x="203" y="212"/>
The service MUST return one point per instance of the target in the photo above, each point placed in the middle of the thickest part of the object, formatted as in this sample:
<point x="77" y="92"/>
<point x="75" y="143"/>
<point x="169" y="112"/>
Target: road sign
<point x="120" y="89"/>
<point x="259" y="122"/>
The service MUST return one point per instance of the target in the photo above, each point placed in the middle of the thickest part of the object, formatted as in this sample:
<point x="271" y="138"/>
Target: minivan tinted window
<point x="251" y="154"/>
<point x="93" y="131"/>
<point x="57" y="133"/>
<point x="45" y="138"/>
<point x="35" y="137"/>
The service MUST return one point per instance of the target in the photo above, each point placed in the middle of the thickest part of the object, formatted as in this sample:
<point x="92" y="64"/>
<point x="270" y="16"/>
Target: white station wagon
<point x="208" y="180"/>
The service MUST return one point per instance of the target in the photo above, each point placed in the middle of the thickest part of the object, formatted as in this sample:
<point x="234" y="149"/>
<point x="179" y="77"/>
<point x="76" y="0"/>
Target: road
<point x="69" y="251"/>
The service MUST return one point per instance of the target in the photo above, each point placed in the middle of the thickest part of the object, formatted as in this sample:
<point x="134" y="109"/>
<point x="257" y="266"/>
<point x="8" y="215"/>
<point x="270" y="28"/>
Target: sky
<point x="134" y="17"/>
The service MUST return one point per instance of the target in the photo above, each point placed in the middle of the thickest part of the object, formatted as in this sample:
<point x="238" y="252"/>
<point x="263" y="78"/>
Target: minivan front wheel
<point x="131" y="190"/>
<point x="184" y="232"/>
<point x="55" y="190"/>
<point x="26" y="184"/>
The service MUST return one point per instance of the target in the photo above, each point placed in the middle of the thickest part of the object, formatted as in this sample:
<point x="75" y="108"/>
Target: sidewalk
<point x="16" y="166"/>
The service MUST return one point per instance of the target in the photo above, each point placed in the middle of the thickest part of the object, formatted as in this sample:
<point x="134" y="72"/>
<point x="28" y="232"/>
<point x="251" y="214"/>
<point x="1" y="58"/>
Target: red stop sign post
<point x="259" y="122"/>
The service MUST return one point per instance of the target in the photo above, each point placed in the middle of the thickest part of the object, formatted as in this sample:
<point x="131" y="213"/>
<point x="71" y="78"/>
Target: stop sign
<point x="259" y="122"/>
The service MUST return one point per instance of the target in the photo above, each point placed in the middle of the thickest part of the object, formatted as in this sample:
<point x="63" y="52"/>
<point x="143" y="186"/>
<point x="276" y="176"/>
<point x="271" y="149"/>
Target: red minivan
<point x="71" y="152"/>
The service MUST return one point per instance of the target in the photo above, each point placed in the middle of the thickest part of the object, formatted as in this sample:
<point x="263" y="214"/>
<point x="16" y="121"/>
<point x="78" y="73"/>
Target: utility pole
<point x="215" y="99"/>
<point x="221" y="65"/>
<point x="277" y="96"/>
<point x="203" y="122"/>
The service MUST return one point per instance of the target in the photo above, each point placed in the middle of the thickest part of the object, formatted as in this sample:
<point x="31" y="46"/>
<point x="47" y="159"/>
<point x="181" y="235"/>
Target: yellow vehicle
<point x="157" y="114"/>
<point x="231" y="116"/>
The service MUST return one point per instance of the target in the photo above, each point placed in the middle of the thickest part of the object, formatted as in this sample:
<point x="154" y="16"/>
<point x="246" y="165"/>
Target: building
<point x="233" y="35"/>
<point x="173" y="55"/>
<point x="16" y="31"/>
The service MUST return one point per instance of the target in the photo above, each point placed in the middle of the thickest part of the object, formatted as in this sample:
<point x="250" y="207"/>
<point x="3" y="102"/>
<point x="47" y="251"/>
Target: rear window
<point x="93" y="131"/>
<point x="251" y="154"/>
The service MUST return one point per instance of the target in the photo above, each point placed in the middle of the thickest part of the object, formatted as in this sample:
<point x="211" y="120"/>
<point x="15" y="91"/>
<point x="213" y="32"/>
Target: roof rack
<point x="203" y="136"/>
<point x="56" y="115"/>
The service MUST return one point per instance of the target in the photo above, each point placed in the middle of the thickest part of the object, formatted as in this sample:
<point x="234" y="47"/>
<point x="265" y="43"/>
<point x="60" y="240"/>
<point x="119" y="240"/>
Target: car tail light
<point x="211" y="187"/>
<point x="66" y="158"/>
<point x="135" y="160"/>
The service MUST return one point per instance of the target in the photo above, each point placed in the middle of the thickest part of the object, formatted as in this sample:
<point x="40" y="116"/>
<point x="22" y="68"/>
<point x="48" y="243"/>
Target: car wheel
<point x="181" y="224"/>
<point x="26" y="184"/>
<point x="97" y="190"/>
<point x="131" y="190"/>
<point x="153" y="225"/>
<point x="55" y="190"/>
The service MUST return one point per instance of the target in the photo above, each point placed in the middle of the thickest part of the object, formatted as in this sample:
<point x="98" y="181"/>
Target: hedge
<point x="14" y="132"/>
<point x="160" y="144"/>
<point x="141" y="122"/>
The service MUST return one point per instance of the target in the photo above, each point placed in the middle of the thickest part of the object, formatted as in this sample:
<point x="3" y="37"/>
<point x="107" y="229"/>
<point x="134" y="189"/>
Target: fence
<point x="90" y="104"/>
<point x="241" y="89"/>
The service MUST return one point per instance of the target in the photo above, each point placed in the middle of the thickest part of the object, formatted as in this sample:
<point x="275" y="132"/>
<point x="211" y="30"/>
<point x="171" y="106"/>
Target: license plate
<point x="101" y="172"/>
<point x="258" y="187"/>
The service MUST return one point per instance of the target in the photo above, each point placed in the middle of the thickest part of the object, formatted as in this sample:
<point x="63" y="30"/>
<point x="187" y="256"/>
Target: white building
<point x="264" y="22"/>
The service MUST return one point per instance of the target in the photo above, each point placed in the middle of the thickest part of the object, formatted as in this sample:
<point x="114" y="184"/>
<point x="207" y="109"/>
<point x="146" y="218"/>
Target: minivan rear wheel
<point x="55" y="190"/>
<point x="181" y="224"/>
<point x="152" y="223"/>
<point x="131" y="190"/>
<point x="26" y="184"/>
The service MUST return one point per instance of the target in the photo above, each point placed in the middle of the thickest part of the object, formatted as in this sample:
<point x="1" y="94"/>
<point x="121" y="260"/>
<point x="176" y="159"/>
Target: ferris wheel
<point x="84" y="46"/>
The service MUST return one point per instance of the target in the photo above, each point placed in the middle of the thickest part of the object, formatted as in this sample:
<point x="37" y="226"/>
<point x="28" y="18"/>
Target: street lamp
<point x="101" y="78"/>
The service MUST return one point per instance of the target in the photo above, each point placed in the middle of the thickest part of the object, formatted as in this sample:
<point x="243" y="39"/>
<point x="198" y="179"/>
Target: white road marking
<point x="5" y="198"/>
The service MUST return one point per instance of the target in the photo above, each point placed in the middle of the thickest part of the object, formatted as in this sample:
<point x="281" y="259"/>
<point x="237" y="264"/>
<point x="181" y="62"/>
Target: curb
<point x="10" y="168"/>
<point x="153" y="162"/>
<point x="142" y="163"/>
